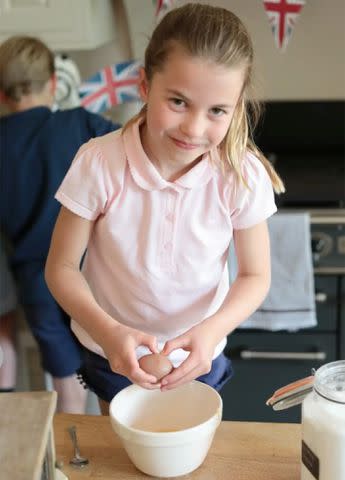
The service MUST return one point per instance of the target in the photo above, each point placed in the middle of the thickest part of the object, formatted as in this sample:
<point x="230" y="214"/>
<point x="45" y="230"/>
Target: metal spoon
<point x="77" y="460"/>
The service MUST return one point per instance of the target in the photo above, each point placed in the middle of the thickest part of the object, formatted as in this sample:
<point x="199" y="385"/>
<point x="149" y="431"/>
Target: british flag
<point x="282" y="16"/>
<point x="110" y="86"/>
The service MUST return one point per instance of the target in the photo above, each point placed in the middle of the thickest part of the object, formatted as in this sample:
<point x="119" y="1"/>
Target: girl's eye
<point x="177" y="102"/>
<point x="217" y="112"/>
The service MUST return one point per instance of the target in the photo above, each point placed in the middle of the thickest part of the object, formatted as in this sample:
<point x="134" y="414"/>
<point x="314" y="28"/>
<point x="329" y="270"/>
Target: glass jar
<point x="323" y="425"/>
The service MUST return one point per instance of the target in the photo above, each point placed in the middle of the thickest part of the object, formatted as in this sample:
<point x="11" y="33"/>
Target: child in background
<point x="8" y="319"/>
<point x="157" y="205"/>
<point x="37" y="147"/>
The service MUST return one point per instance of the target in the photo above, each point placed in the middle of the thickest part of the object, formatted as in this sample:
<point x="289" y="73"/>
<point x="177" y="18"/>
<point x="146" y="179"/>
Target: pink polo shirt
<point x="157" y="256"/>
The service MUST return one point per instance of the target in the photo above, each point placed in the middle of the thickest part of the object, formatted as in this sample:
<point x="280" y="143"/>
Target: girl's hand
<point x="119" y="347"/>
<point x="200" y="343"/>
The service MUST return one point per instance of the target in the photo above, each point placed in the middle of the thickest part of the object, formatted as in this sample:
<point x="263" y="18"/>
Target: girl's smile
<point x="185" y="117"/>
<point x="184" y="145"/>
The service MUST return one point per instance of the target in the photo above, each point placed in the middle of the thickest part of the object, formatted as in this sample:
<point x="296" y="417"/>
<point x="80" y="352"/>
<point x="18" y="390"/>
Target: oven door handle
<point x="253" y="354"/>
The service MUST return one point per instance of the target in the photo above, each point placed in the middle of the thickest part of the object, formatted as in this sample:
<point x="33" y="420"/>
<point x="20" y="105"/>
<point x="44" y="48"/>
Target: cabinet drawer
<point x="264" y="362"/>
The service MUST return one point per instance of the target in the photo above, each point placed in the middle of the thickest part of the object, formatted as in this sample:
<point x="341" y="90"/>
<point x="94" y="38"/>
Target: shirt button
<point x="170" y="217"/>
<point x="168" y="246"/>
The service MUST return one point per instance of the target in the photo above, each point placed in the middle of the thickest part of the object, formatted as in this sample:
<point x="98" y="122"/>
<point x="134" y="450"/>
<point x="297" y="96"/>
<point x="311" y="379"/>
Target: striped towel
<point x="290" y="303"/>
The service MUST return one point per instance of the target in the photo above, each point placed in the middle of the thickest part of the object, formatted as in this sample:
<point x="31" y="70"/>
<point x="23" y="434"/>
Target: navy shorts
<point x="8" y="295"/>
<point x="61" y="352"/>
<point x="96" y="375"/>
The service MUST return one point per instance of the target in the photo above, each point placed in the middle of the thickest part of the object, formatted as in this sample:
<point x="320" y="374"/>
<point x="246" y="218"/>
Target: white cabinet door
<point x="62" y="24"/>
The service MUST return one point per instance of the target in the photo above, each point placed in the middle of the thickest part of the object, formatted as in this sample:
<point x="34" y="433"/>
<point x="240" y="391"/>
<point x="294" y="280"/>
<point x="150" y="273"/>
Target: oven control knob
<point x="320" y="297"/>
<point x="321" y="245"/>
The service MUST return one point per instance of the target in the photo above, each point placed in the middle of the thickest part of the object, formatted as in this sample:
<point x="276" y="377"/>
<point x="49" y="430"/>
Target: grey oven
<point x="305" y="141"/>
<point x="264" y="361"/>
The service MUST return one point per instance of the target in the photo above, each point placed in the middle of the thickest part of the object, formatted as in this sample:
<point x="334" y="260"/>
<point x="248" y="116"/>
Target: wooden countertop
<point x="25" y="434"/>
<point x="240" y="451"/>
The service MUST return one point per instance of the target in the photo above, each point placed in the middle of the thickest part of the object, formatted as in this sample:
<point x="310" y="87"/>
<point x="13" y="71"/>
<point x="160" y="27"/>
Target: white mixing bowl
<point x="167" y="434"/>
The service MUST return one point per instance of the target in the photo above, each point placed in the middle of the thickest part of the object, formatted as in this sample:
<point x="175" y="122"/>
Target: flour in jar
<point x="323" y="431"/>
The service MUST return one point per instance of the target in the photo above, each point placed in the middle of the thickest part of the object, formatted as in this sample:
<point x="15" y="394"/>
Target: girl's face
<point x="190" y="104"/>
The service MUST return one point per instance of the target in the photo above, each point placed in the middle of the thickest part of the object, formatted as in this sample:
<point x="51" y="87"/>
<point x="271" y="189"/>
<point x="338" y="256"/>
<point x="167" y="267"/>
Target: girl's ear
<point x="53" y="82"/>
<point x="143" y="85"/>
<point x="3" y="98"/>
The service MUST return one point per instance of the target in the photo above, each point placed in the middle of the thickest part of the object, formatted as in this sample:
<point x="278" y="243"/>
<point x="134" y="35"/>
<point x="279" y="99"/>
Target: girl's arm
<point x="71" y="290"/>
<point x="252" y="282"/>
<point x="245" y="295"/>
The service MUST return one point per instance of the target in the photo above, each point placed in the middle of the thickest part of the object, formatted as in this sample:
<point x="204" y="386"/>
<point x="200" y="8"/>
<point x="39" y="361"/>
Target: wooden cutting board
<point x="240" y="451"/>
<point x="26" y="437"/>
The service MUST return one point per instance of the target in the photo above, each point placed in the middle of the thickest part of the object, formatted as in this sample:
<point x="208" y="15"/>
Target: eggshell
<point x="156" y="364"/>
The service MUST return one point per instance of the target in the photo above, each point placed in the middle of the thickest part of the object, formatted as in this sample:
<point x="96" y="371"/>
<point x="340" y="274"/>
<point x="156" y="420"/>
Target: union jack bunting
<point x="110" y="86"/>
<point x="162" y="5"/>
<point x="282" y="16"/>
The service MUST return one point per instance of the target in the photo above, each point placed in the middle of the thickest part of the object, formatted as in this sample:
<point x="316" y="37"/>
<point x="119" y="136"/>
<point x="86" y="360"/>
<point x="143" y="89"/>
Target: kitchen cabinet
<point x="62" y="24"/>
<point x="342" y="319"/>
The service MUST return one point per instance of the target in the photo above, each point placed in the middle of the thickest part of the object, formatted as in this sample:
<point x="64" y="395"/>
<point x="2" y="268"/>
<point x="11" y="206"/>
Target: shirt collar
<point x="147" y="176"/>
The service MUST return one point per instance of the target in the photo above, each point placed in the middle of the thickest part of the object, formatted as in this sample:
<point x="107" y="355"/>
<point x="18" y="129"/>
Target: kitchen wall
<point x="312" y="67"/>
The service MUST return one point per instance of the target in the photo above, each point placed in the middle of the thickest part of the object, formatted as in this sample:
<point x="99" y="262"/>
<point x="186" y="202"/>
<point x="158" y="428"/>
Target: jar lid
<point x="292" y="394"/>
<point x="330" y="381"/>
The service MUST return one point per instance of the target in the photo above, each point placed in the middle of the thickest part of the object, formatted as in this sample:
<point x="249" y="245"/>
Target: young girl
<point x="157" y="205"/>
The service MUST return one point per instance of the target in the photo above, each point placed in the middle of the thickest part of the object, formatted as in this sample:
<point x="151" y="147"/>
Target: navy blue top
<point x="36" y="148"/>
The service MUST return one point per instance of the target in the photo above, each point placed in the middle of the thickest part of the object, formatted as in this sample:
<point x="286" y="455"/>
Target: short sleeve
<point x="255" y="204"/>
<point x="84" y="188"/>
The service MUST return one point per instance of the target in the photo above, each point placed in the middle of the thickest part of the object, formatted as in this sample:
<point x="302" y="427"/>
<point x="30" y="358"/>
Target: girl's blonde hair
<point x="215" y="34"/>
<point x="26" y="64"/>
